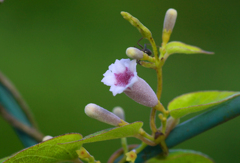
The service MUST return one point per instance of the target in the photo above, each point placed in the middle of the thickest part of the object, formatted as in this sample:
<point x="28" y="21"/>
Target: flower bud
<point x="47" y="138"/>
<point x="134" y="53"/>
<point x="1" y="1"/>
<point x="170" y="19"/>
<point x="131" y="156"/>
<point x="142" y="93"/>
<point x="83" y="153"/>
<point x="118" y="111"/>
<point x="103" y="115"/>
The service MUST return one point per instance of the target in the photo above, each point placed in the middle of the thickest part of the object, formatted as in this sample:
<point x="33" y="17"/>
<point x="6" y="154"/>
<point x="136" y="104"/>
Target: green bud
<point x="136" y="23"/>
<point x="134" y="53"/>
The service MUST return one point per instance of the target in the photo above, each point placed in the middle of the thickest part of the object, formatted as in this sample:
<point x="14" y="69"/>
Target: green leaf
<point x="129" y="130"/>
<point x="182" y="156"/>
<point x="49" y="151"/>
<point x="3" y="159"/>
<point x="198" y="101"/>
<point x="179" y="47"/>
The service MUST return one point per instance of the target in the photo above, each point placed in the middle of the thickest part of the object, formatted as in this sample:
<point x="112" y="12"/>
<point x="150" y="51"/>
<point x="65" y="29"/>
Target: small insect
<point x="145" y="49"/>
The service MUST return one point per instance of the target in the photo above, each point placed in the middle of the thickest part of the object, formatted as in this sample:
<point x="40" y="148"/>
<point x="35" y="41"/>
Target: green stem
<point x="159" y="81"/>
<point x="152" y="121"/>
<point x="124" y="145"/>
<point x="141" y="147"/>
<point x="145" y="134"/>
<point x="192" y="127"/>
<point x="154" y="47"/>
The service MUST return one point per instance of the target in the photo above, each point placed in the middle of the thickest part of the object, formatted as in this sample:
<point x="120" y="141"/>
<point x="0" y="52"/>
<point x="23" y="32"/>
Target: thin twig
<point x="145" y="140"/>
<point x="12" y="89"/>
<point x="34" y="133"/>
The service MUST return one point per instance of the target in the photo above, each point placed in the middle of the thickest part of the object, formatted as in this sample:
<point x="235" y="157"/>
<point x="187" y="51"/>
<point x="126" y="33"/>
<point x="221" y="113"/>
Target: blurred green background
<point x="55" y="52"/>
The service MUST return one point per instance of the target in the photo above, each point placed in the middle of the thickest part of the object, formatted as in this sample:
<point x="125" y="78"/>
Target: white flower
<point x="121" y="75"/>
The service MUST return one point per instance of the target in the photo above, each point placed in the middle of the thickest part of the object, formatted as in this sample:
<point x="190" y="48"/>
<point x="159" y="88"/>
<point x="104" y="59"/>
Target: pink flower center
<point x="124" y="78"/>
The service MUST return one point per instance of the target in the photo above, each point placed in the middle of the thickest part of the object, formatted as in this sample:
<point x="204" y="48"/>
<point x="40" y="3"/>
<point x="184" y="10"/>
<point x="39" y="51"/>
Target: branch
<point x="16" y="107"/>
<point x="20" y="126"/>
<point x="192" y="127"/>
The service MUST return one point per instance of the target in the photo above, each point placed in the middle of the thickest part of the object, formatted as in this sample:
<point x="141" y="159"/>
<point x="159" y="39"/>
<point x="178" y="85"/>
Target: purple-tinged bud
<point x="170" y="19"/>
<point x="134" y="53"/>
<point x="142" y="93"/>
<point x="118" y="111"/>
<point x="103" y="115"/>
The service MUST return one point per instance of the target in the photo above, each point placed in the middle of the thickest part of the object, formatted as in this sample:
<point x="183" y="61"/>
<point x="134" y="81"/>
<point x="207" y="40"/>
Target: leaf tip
<point x="207" y="52"/>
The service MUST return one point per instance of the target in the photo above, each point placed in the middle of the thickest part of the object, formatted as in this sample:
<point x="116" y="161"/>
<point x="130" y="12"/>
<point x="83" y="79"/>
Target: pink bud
<point x="101" y="114"/>
<point x="142" y="93"/>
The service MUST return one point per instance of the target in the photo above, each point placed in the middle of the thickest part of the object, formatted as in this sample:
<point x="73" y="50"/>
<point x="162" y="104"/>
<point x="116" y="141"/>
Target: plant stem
<point x="154" y="47"/>
<point x="159" y="81"/>
<point x="145" y="134"/>
<point x="194" y="126"/>
<point x="22" y="127"/>
<point x="141" y="147"/>
<point x="15" y="106"/>
<point x="124" y="145"/>
<point x="152" y="121"/>
<point x="11" y="88"/>
<point x="145" y="140"/>
<point x="159" y="92"/>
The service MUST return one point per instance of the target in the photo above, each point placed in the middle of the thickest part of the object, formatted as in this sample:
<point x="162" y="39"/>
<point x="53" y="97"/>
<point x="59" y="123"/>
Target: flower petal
<point x="121" y="75"/>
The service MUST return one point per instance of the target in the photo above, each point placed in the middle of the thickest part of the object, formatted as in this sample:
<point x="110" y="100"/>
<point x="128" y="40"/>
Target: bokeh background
<point x="55" y="52"/>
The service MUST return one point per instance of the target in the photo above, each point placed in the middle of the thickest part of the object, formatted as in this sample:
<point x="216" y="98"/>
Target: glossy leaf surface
<point x="198" y="101"/>
<point x="182" y="156"/>
<point x="3" y="159"/>
<point x="129" y="130"/>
